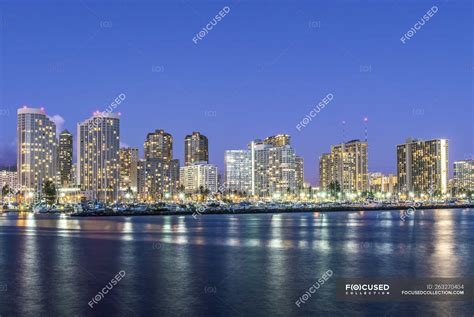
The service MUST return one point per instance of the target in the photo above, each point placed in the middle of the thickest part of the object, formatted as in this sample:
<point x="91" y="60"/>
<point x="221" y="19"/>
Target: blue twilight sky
<point x="258" y="72"/>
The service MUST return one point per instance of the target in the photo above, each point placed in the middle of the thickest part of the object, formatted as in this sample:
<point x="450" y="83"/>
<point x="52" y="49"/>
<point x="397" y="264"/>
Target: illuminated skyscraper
<point x="347" y="165"/>
<point x="325" y="171"/>
<point x="161" y="178"/>
<point x="278" y="140"/>
<point x="198" y="178"/>
<point x="422" y="166"/>
<point x="379" y="182"/>
<point x="141" y="180"/>
<point x="128" y="170"/>
<point x="98" y="144"/>
<point x="159" y="145"/>
<point x="299" y="161"/>
<point x="37" y="149"/>
<point x="274" y="168"/>
<point x="161" y="171"/>
<point x="9" y="178"/>
<point x="195" y="149"/>
<point x="65" y="158"/>
<point x="238" y="171"/>
<point x="464" y="176"/>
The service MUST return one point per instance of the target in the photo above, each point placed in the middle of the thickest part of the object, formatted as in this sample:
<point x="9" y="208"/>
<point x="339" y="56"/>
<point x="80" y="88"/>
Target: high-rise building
<point x="299" y="161"/>
<point x="162" y="178"/>
<point x="325" y="172"/>
<point x="278" y="140"/>
<point x="65" y="158"/>
<point x="159" y="145"/>
<point x="98" y="144"/>
<point x="9" y="178"/>
<point x="347" y="165"/>
<point x="379" y="182"/>
<point x="422" y="166"/>
<point x="464" y="176"/>
<point x="128" y="170"/>
<point x="141" y="180"/>
<point x="195" y="149"/>
<point x="161" y="171"/>
<point x="238" y="171"/>
<point x="199" y="178"/>
<point x="37" y="149"/>
<point x="274" y="167"/>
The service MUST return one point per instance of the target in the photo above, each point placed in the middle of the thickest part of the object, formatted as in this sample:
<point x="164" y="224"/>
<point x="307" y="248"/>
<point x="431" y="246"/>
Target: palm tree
<point x="6" y="190"/>
<point x="49" y="192"/>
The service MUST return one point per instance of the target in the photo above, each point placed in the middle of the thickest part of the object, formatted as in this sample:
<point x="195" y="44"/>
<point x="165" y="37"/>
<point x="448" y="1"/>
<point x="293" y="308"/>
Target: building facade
<point x="199" y="178"/>
<point x="128" y="170"/>
<point x="347" y="165"/>
<point x="9" y="178"/>
<point x="381" y="183"/>
<point x="299" y="161"/>
<point x="278" y="140"/>
<point x="98" y="146"/>
<point x="196" y="149"/>
<point x="273" y="167"/>
<point x="237" y="171"/>
<point x="37" y="150"/>
<point x="463" y="176"/>
<point x="65" y="152"/>
<point x="159" y="145"/>
<point x="325" y="171"/>
<point x="161" y="178"/>
<point x="422" y="166"/>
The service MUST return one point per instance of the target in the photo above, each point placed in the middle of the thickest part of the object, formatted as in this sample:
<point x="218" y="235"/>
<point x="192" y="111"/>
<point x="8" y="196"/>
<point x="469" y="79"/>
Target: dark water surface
<point x="226" y="265"/>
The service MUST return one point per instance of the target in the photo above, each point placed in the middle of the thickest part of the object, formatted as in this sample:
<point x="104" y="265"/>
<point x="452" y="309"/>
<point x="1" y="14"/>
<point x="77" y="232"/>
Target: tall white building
<point x="98" y="145"/>
<point x="464" y="176"/>
<point x="273" y="168"/>
<point x="9" y="178"/>
<point x="198" y="177"/>
<point x="238" y="171"/>
<point x="37" y="149"/>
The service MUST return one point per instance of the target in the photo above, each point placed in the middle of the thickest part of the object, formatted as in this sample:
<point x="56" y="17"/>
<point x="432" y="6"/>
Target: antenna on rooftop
<point x="366" y="121"/>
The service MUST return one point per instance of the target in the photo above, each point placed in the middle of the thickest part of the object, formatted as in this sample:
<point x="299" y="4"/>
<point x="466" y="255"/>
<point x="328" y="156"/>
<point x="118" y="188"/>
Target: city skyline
<point x="265" y="88"/>
<point x="107" y="171"/>
<point x="161" y="143"/>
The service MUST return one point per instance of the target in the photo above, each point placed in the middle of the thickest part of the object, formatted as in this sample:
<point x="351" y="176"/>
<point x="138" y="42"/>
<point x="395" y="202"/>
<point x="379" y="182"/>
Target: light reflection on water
<point x="209" y="265"/>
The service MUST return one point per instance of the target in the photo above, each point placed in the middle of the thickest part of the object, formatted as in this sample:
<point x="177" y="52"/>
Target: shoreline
<point x="165" y="212"/>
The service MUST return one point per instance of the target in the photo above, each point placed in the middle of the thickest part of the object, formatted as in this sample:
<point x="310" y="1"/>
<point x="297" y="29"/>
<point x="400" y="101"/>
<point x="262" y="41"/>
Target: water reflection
<point x="266" y="260"/>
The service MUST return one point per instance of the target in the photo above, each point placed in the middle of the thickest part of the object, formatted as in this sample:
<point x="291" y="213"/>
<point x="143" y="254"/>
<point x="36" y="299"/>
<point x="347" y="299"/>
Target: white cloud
<point x="59" y="121"/>
<point x="122" y="144"/>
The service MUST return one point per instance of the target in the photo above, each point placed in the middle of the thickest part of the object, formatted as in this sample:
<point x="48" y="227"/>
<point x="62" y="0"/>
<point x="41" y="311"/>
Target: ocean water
<point x="226" y="265"/>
